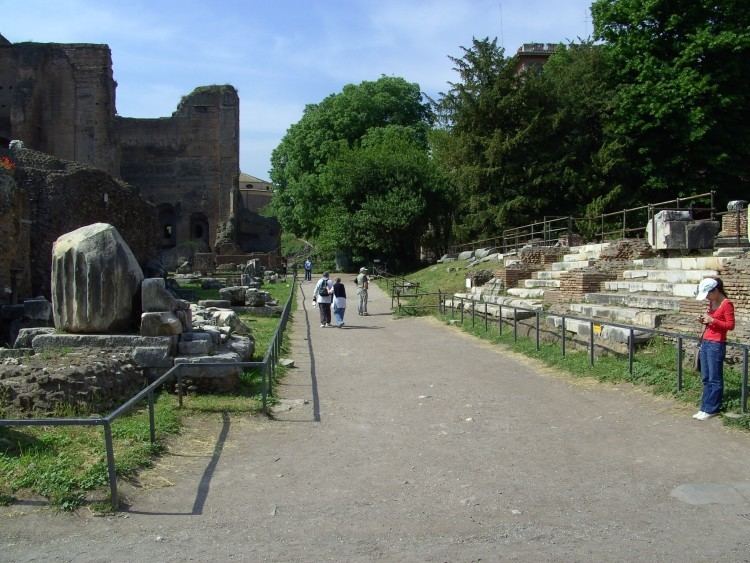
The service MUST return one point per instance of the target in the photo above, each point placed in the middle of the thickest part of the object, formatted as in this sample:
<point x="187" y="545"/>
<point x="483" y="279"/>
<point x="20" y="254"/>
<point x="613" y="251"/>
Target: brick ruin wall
<point x="730" y="222"/>
<point x="60" y="99"/>
<point x="187" y="164"/>
<point x="63" y="196"/>
<point x="15" y="244"/>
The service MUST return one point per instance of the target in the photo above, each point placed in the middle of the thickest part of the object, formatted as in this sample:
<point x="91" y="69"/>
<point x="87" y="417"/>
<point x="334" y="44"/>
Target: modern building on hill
<point x="255" y="193"/>
<point x="533" y="55"/>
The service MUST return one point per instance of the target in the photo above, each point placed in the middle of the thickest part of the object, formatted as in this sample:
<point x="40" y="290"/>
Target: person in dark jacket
<point x="339" y="302"/>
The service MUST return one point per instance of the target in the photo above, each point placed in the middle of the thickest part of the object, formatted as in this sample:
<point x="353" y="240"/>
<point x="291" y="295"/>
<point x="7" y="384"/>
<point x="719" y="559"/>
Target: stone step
<point x="571" y="265"/>
<point x="525" y="293"/>
<point x="594" y="247"/>
<point x="667" y="288"/>
<point x="511" y="307"/>
<point x="549" y="274"/>
<point x="541" y="283"/>
<point x="635" y="300"/>
<point x="687" y="263"/>
<point x="612" y="333"/>
<point x="672" y="276"/>
<point x="624" y="315"/>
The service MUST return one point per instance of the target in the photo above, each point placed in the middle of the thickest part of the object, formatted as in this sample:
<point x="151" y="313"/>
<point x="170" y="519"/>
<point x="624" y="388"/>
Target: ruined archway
<point x="199" y="227"/>
<point x="167" y="226"/>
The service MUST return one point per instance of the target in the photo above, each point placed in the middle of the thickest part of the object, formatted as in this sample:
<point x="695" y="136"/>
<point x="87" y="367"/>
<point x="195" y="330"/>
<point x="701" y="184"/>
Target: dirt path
<point x="405" y="440"/>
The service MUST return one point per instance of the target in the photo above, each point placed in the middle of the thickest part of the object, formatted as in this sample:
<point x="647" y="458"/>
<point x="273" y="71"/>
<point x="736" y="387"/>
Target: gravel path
<point x="406" y="440"/>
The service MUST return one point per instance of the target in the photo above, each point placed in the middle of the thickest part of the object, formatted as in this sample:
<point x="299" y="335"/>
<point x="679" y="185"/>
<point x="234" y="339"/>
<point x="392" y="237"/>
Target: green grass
<point x="64" y="463"/>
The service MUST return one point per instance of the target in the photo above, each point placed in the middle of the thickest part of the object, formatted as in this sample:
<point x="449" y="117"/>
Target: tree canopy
<point x="355" y="173"/>
<point x="680" y="120"/>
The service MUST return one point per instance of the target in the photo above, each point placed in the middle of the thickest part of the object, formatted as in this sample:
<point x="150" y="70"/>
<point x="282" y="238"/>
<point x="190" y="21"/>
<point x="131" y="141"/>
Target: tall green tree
<point x="680" y="119"/>
<point x="355" y="173"/>
<point x="521" y="146"/>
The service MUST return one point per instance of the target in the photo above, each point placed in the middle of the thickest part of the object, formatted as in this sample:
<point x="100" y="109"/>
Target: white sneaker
<point x="698" y="415"/>
<point x="323" y="325"/>
<point x="706" y="415"/>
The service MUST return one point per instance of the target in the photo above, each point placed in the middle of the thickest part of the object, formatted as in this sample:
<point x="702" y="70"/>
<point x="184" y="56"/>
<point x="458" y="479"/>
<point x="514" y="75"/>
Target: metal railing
<point x="626" y="223"/>
<point x="739" y="234"/>
<point x="594" y="325"/>
<point x="631" y="223"/>
<point x="267" y="369"/>
<point x="541" y="233"/>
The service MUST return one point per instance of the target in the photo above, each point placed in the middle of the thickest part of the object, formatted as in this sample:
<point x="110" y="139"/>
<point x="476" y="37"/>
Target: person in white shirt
<point x="323" y="296"/>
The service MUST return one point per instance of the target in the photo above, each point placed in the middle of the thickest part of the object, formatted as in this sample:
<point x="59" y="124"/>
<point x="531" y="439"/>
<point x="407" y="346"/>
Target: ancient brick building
<point x="187" y="164"/>
<point x="60" y="99"/>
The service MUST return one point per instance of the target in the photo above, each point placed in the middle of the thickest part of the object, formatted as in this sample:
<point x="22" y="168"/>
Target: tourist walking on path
<point x="308" y="270"/>
<point x="339" y="302"/>
<point x="323" y="295"/>
<point x="717" y="321"/>
<point x="363" y="283"/>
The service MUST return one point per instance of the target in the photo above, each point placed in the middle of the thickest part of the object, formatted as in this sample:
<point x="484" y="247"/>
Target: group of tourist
<point x="329" y="295"/>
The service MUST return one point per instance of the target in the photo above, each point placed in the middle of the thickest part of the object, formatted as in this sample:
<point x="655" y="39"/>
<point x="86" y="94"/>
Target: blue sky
<point x="283" y="54"/>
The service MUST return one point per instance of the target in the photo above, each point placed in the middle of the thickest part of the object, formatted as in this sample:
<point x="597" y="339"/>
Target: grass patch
<point x="64" y="463"/>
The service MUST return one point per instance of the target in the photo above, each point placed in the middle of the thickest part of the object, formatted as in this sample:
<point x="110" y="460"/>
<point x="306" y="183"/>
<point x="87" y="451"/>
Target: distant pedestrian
<point x="323" y="296"/>
<point x="363" y="284"/>
<point x="717" y="321"/>
<point x="339" y="302"/>
<point x="308" y="270"/>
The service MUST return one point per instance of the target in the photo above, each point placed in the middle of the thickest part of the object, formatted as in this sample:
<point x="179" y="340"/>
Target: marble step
<point x="624" y="315"/>
<point x="526" y="293"/>
<point x="672" y="276"/>
<point x="541" y="283"/>
<point x="594" y="248"/>
<point x="549" y="274"/>
<point x="667" y="288"/>
<point x="687" y="263"/>
<point x="635" y="300"/>
<point x="559" y="266"/>
<point x="612" y="333"/>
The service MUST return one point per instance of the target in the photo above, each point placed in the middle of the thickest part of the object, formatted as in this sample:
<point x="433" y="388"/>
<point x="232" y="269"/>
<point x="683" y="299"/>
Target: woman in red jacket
<point x="718" y="320"/>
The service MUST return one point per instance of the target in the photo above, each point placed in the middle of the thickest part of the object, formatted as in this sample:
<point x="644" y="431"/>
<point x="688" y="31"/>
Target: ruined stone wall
<point x="64" y="196"/>
<point x="734" y="223"/>
<point x="15" y="244"/>
<point x="60" y="99"/>
<point x="187" y="164"/>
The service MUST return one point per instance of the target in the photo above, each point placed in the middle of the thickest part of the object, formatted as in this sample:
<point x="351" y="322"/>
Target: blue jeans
<point x="338" y="315"/>
<point x="712" y="373"/>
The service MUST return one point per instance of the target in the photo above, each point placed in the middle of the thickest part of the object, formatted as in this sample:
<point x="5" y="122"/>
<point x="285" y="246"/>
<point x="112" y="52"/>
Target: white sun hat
<point x="705" y="287"/>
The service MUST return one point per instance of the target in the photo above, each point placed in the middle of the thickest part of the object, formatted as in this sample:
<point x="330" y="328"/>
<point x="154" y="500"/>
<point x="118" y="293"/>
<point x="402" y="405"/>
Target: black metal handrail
<point x="268" y="372"/>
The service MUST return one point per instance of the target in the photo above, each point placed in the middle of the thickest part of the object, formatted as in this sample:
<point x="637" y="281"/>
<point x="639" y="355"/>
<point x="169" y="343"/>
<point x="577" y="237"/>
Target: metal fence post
<point x="591" y="343"/>
<point x="179" y="387"/>
<point x="537" y="330"/>
<point x="151" y="425"/>
<point x="679" y="363"/>
<point x="461" y="304"/>
<point x="485" y="317"/>
<point x="743" y="391"/>
<point x="631" y="350"/>
<point x="473" y="312"/>
<point x="499" y="320"/>
<point x="111" y="470"/>
<point x="515" y="324"/>
<point x="564" y="336"/>
<point x="263" y="392"/>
